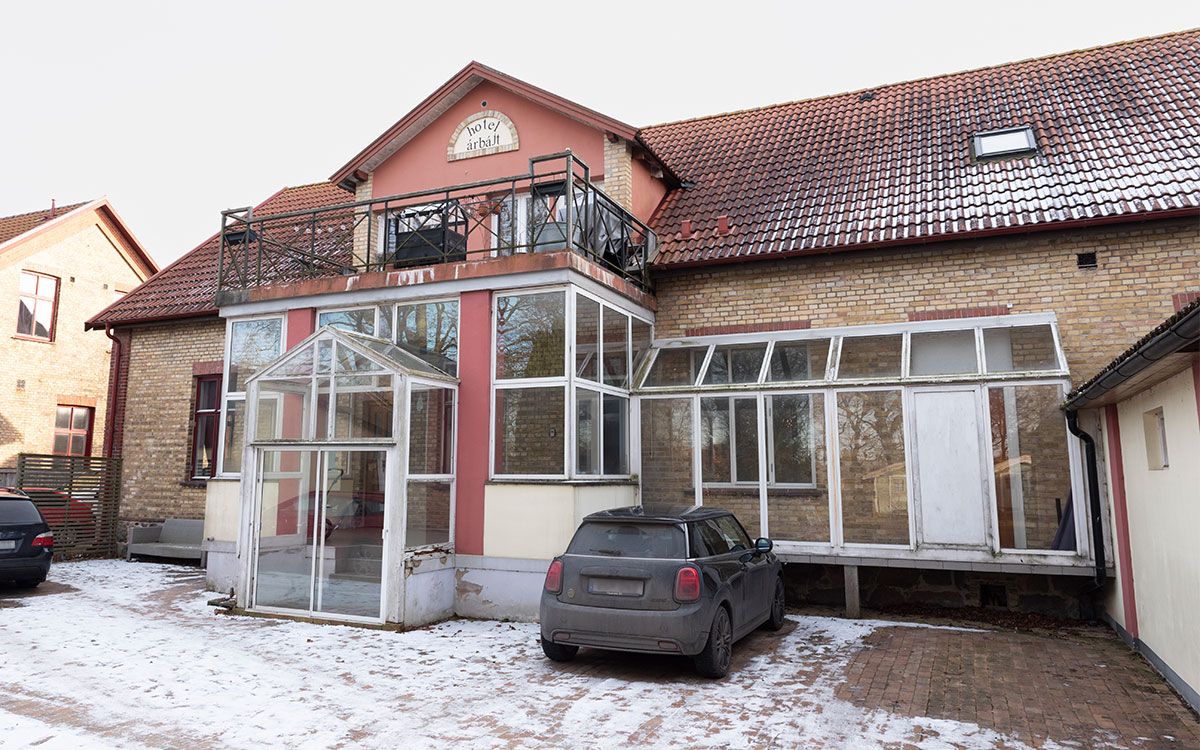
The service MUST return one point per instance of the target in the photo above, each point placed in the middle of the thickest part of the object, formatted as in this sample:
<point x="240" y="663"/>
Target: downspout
<point x="1093" y="480"/>
<point x="110" y="421"/>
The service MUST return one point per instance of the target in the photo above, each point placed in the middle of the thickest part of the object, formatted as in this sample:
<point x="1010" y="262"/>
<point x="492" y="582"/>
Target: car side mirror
<point x="762" y="545"/>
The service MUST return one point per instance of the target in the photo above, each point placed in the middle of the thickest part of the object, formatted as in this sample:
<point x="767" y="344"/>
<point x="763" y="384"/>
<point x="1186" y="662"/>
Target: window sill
<point x="194" y="483"/>
<point x="35" y="339"/>
<point x="568" y="482"/>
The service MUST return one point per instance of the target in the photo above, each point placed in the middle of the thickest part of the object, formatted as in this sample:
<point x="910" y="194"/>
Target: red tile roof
<point x="188" y="287"/>
<point x="15" y="226"/>
<point x="1117" y="127"/>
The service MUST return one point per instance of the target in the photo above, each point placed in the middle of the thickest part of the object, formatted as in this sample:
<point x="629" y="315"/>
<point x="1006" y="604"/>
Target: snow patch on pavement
<point x="137" y="642"/>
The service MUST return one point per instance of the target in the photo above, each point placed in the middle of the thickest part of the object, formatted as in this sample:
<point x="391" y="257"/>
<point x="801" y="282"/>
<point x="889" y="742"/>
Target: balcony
<point x="554" y="207"/>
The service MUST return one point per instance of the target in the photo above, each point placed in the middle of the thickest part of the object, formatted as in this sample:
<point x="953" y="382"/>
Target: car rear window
<point x="18" y="511"/>
<point x="656" y="540"/>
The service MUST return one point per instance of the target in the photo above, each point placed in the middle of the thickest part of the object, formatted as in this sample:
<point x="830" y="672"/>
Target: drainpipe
<point x="1093" y="480"/>
<point x="110" y="422"/>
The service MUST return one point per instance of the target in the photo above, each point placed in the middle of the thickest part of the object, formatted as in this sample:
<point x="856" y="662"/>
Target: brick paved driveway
<point x="119" y="655"/>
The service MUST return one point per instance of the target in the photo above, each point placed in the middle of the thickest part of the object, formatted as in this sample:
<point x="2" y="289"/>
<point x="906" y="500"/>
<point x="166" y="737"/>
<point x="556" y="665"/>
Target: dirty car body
<point x="661" y="579"/>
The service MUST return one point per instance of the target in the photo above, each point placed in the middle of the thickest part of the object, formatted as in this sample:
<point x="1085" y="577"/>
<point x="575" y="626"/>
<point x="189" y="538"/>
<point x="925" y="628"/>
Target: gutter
<point x="114" y="378"/>
<point x="1093" y="480"/>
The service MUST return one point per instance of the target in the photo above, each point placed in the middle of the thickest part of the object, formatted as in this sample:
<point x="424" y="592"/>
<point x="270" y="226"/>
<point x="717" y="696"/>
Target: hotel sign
<point x="483" y="133"/>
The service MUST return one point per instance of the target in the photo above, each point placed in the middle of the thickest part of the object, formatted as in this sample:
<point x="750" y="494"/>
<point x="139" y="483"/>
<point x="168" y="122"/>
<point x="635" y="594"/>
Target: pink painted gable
<point x="421" y="163"/>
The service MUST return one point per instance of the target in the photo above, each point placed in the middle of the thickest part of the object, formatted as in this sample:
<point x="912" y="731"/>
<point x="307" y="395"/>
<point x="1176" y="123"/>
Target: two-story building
<point x="59" y="267"/>
<point x="850" y="319"/>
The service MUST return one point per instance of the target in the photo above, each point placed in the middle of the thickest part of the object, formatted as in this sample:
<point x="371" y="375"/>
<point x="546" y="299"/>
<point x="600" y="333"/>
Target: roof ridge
<point x="64" y="207"/>
<point x="305" y="185"/>
<point x="877" y="88"/>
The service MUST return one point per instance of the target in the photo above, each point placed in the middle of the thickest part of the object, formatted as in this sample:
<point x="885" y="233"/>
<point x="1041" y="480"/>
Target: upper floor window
<point x="1008" y="143"/>
<point x="73" y="431"/>
<point x="205" y="420"/>
<point x="37" y="306"/>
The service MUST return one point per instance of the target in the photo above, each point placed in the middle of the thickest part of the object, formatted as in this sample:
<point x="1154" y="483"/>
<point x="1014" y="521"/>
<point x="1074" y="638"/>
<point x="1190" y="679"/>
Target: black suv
<point x="26" y="544"/>
<point x="661" y="579"/>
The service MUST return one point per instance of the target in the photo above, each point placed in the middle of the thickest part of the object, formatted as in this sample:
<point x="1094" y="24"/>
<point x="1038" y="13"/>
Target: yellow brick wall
<point x="33" y="374"/>
<point x="158" y="418"/>
<point x="1101" y="311"/>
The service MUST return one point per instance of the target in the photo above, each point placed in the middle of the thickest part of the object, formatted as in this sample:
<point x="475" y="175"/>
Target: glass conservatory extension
<point x="348" y="472"/>
<point x="935" y="440"/>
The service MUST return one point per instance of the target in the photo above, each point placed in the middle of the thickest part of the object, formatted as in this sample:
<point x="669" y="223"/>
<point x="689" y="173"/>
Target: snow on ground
<point x="133" y="657"/>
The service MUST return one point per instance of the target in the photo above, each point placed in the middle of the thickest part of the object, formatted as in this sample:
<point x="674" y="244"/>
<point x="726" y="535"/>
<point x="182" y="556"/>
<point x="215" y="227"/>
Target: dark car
<point x="664" y="580"/>
<point x="26" y="544"/>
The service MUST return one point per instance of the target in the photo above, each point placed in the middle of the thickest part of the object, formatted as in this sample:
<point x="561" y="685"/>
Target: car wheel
<point x="557" y="651"/>
<point x="713" y="661"/>
<point x="775" y="621"/>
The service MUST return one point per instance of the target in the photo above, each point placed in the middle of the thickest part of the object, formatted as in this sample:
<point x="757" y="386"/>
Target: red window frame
<point x="212" y="431"/>
<point x="38" y="299"/>
<point x="70" y="431"/>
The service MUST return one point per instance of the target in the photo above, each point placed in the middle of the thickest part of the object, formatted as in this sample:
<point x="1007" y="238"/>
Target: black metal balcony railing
<point x="554" y="207"/>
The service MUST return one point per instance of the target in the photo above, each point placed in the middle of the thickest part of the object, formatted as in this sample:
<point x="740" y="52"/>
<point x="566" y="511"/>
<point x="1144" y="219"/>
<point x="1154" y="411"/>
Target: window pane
<point x="871" y="447"/>
<point x="359" y="321"/>
<point x="798" y="493"/>
<point x="667" y="451"/>
<point x="616" y="435"/>
<point x="644" y="540"/>
<point x="43" y="319"/>
<point x="640" y="338"/>
<point x="25" y="316"/>
<point x="288" y="516"/>
<point x="870" y="357"/>
<point x="349" y="360"/>
<point x="428" y="514"/>
<point x="430" y="331"/>
<point x="743" y="501"/>
<point x="587" y="338"/>
<point x="231" y="456"/>
<point x="352" y="531"/>
<point x="735" y="364"/>
<point x="363" y="411"/>
<point x="943" y="353"/>
<point x="714" y="440"/>
<point x="676" y="366"/>
<point x="62" y="418"/>
<point x="78" y="445"/>
<point x="529" y="424"/>
<point x="1019" y="349"/>
<point x="62" y="443"/>
<point x="530" y="336"/>
<point x="1032" y="468"/>
<point x="616" y="348"/>
<point x="252" y="345"/>
<point x="206" y="445"/>
<point x="47" y="287"/>
<point x="745" y="424"/>
<point x="80" y="417"/>
<point x="587" y="431"/>
<point x="208" y="395"/>
<point x="283" y="409"/>
<point x="28" y="283"/>
<point x="798" y="360"/>
<point x="431" y="430"/>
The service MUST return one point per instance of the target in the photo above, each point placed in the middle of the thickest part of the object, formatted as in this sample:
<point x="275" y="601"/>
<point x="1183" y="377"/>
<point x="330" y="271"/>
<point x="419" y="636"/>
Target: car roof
<point x="658" y="512"/>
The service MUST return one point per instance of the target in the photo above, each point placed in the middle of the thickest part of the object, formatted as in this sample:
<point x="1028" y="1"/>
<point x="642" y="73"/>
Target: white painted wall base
<point x="428" y="589"/>
<point x="221" y="572"/>
<point x="499" y="588"/>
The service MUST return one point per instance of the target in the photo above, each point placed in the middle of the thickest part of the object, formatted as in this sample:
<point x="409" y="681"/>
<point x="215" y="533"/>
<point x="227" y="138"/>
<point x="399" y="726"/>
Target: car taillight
<point x="687" y="585"/>
<point x="44" y="540"/>
<point x="554" y="577"/>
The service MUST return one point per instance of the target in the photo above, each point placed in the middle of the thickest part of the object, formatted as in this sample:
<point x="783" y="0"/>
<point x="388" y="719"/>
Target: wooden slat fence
<point x="79" y="496"/>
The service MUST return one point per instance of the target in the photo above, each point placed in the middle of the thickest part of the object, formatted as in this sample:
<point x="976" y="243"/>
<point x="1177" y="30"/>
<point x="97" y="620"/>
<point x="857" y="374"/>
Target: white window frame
<point x="228" y="396"/>
<point x="570" y="382"/>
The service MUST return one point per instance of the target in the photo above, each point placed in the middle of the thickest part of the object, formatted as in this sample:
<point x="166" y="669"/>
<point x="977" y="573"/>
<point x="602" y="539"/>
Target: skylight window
<point x="1004" y="143"/>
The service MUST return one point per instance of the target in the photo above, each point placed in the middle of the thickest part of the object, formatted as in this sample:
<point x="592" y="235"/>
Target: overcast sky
<point x="176" y="110"/>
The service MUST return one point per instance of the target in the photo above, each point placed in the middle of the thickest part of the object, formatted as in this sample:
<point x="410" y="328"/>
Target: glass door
<point x="320" y="530"/>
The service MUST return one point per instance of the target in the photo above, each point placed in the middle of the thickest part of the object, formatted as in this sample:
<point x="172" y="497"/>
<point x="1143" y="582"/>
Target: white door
<point x="949" y="470"/>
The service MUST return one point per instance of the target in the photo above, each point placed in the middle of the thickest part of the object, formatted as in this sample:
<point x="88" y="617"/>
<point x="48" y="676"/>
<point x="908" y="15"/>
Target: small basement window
<point x="1008" y="143"/>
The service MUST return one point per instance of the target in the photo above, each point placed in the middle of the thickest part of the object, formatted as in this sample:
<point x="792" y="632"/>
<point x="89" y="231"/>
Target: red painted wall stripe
<point x="1196" y="383"/>
<point x="1121" y="516"/>
<point x="474" y="410"/>
<point x="301" y="322"/>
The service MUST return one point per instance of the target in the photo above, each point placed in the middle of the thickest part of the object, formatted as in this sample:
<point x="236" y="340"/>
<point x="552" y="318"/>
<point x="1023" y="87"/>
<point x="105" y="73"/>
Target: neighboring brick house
<point x="59" y="267"/>
<point x="851" y="319"/>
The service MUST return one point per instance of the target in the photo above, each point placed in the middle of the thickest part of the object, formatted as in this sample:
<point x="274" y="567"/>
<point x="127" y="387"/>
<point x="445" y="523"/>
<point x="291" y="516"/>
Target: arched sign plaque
<point x="483" y="133"/>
